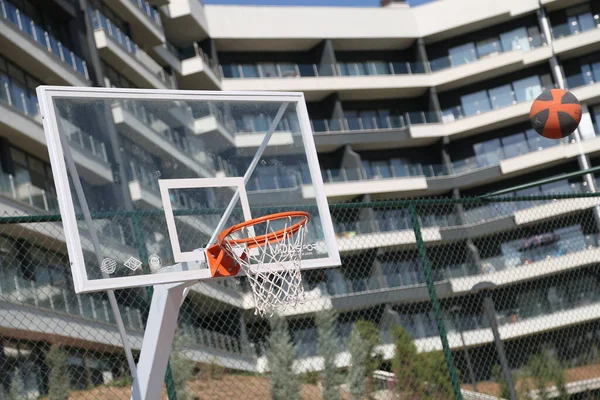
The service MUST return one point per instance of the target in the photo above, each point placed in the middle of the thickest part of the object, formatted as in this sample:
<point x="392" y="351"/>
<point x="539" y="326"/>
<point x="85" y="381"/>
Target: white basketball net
<point x="273" y="269"/>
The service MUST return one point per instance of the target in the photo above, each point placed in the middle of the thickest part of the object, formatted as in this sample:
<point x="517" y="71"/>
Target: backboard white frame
<point x="192" y="183"/>
<point x="46" y="96"/>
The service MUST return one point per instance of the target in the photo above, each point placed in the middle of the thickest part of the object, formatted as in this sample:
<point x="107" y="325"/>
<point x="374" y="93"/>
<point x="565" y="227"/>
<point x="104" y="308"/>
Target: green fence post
<point x="140" y="245"/>
<point x="435" y="304"/>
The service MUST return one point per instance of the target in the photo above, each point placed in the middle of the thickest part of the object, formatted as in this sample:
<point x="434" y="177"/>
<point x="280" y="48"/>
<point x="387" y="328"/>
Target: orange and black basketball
<point x="555" y="114"/>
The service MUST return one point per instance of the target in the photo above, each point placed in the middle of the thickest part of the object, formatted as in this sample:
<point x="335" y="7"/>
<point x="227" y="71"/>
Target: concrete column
<point x="472" y="249"/>
<point x="446" y="160"/>
<point x="434" y="103"/>
<point x="324" y="54"/>
<point x="333" y="105"/>
<point x="422" y="54"/>
<point x="350" y="159"/>
<point x="545" y="25"/>
<point x="87" y="44"/>
<point x="244" y="341"/>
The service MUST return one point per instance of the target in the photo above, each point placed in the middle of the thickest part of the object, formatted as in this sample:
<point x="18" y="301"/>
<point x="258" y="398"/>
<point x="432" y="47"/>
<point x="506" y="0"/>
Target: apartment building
<point x="404" y="102"/>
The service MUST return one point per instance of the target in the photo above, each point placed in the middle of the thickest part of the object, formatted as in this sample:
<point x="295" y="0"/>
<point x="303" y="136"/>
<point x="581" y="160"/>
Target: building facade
<point x="404" y="102"/>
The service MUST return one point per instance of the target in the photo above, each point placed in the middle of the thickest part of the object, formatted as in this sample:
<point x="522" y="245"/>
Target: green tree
<point x="183" y="368"/>
<point x="281" y="352"/>
<point x="359" y="354"/>
<point x="435" y="376"/>
<point x="17" y="388"/>
<point x="365" y="359"/>
<point x="405" y="363"/>
<point x="328" y="349"/>
<point x="59" y="385"/>
<point x="370" y="334"/>
<point x="545" y="371"/>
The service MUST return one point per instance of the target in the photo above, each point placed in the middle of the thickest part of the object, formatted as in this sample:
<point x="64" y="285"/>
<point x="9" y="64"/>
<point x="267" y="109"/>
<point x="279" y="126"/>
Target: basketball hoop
<point x="270" y="259"/>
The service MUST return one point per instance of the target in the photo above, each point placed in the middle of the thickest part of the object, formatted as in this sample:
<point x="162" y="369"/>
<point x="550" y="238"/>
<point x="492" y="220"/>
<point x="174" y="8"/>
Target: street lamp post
<point x="454" y="311"/>
<point x="488" y="307"/>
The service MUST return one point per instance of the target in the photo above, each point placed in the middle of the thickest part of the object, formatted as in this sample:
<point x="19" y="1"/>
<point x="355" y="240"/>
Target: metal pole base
<point x="158" y="341"/>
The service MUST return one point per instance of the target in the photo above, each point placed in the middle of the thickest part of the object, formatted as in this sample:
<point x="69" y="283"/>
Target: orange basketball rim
<point x="223" y="265"/>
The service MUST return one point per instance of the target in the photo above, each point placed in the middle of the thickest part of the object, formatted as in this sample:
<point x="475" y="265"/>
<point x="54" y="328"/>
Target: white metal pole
<point x="158" y="340"/>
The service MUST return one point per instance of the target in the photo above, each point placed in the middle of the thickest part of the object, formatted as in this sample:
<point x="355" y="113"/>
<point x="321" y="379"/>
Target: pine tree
<point x="59" y="386"/>
<point x="359" y="355"/>
<point x="369" y="332"/>
<point x="281" y="352"/>
<point x="17" y="387"/>
<point x="405" y="364"/>
<point x="328" y="349"/>
<point x="434" y="373"/>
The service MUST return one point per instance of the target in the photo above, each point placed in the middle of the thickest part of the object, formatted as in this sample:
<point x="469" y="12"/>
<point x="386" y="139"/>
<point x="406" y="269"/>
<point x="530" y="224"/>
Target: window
<point x="516" y="39"/>
<point x="475" y="103"/>
<point x="528" y="88"/>
<point x="501" y="96"/>
<point x="580" y="18"/>
<point x="463" y="54"/>
<point x="488" y="47"/>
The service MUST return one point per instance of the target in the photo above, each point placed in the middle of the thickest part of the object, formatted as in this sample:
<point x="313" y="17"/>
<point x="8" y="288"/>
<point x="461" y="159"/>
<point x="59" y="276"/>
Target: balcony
<point x="145" y="193"/>
<point x="125" y="55"/>
<point x="185" y="13"/>
<point x="59" y="301"/>
<point x="371" y="133"/>
<point x="193" y="67"/>
<point x="484" y="111"/>
<point x="367" y="80"/>
<point x="488" y="62"/>
<point x="143" y="19"/>
<point x="568" y="311"/>
<point x="21" y="123"/>
<point x="577" y="37"/>
<point x="156" y="136"/>
<point x="29" y="44"/>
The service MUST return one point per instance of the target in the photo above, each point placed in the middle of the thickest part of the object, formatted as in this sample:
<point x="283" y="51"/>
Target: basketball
<point x="555" y="114"/>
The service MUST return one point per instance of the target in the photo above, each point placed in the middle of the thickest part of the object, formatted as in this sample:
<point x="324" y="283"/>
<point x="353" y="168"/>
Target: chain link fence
<point x="435" y="299"/>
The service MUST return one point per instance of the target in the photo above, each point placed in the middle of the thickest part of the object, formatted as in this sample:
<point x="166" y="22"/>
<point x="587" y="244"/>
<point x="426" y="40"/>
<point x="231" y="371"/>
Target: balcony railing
<point x="490" y="103"/>
<point x="580" y="23"/>
<point x="194" y="51"/>
<point x="84" y="141"/>
<point x="150" y="120"/>
<point x="95" y="308"/>
<point x="148" y="11"/>
<point x="410" y="273"/>
<point x="22" y="22"/>
<point x="88" y="143"/>
<point x="492" y="49"/>
<point x="100" y="22"/>
<point x="379" y="173"/>
<point x="26" y="192"/>
<point x="20" y="97"/>
<point x="291" y="70"/>
<point x="390" y="122"/>
<point x="398" y="220"/>
<point x="589" y="75"/>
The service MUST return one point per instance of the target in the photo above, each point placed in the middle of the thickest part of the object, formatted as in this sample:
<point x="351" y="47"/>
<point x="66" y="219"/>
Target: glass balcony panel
<point x="488" y="47"/>
<point x="475" y="103"/>
<point x="527" y="89"/>
<point x="462" y="54"/>
<point x="501" y="96"/>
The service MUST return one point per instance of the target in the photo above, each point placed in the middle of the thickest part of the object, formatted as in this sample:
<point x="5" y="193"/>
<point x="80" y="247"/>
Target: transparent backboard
<point x="163" y="172"/>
